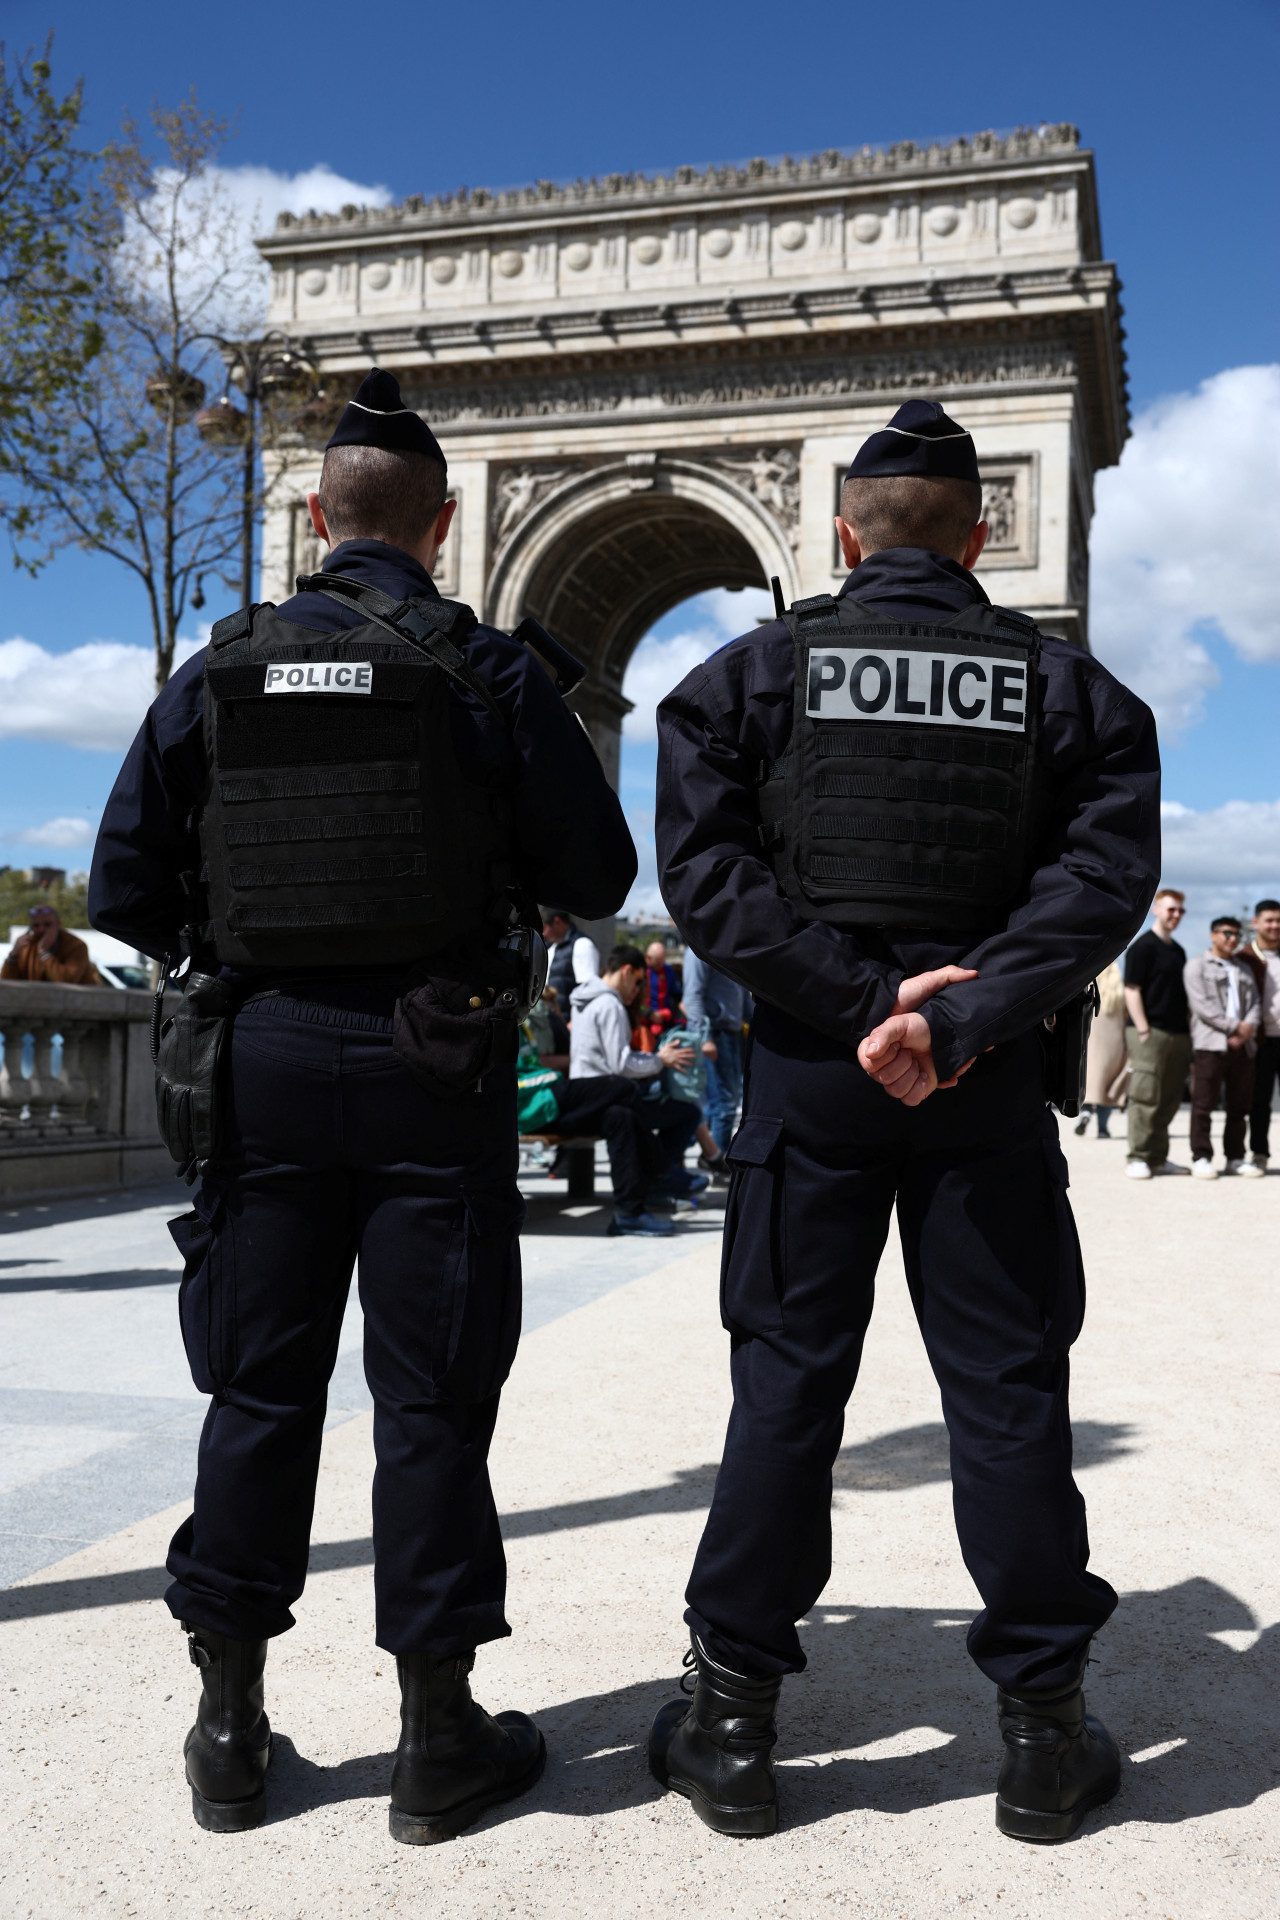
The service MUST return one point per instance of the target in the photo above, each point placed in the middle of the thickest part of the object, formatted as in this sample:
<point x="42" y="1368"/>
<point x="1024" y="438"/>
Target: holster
<point x="191" y="1054"/>
<point x="1064" y="1045"/>
<point x="458" y="1016"/>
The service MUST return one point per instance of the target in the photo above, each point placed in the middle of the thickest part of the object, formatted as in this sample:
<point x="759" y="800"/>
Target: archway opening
<point x="671" y="648"/>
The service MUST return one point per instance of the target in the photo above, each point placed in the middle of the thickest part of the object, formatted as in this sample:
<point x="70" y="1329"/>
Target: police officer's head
<point x="384" y="476"/>
<point x="915" y="484"/>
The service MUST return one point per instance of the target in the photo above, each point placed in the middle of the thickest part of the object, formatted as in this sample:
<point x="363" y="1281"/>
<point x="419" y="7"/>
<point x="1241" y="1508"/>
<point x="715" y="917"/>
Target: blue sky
<point x="1178" y="105"/>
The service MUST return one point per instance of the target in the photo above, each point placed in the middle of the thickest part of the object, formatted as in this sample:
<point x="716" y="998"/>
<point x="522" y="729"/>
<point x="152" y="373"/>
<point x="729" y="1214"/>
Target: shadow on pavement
<point x="25" y="1214"/>
<point x="89" y="1282"/>
<point x="558" y="1214"/>
<point x="1198" y="1715"/>
<point x="911" y="1457"/>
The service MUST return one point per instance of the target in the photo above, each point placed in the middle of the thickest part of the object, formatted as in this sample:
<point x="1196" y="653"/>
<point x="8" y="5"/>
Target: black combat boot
<point x="454" y="1759"/>
<point x="1059" y="1763"/>
<point x="228" y="1749"/>
<point x="716" y="1749"/>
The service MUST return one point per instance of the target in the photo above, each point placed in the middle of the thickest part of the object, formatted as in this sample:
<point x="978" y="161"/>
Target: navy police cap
<point x="922" y="439"/>
<point x="378" y="417"/>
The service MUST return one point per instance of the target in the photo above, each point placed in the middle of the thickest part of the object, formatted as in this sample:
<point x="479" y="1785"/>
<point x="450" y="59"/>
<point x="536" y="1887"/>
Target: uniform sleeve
<point x="147" y="838"/>
<point x="575" y="846"/>
<point x="1097" y="868"/>
<point x="723" y="895"/>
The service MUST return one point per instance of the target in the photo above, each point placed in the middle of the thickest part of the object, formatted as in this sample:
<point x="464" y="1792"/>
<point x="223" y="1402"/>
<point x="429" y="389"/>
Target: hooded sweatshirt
<point x="600" y="1036"/>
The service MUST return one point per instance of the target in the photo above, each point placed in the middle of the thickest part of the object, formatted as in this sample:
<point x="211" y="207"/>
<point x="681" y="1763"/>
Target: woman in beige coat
<point x="1108" y="1064"/>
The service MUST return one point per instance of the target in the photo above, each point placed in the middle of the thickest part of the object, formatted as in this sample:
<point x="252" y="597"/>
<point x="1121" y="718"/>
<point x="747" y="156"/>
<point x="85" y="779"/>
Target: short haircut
<point x="910" y="510"/>
<point x="1171" y="893"/>
<point x="557" y="913"/>
<point x="620" y="957"/>
<point x="1224" y="920"/>
<point x="374" y="493"/>
<point x="1267" y="906"/>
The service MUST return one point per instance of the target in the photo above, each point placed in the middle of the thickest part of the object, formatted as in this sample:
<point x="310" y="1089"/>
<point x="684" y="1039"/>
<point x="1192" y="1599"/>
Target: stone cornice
<point x="627" y="195"/>
<point x="928" y="297"/>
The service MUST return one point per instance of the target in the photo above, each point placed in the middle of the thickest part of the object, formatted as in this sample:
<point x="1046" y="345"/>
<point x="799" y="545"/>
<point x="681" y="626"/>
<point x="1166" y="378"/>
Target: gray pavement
<point x="99" y="1420"/>
<point x="603" y="1465"/>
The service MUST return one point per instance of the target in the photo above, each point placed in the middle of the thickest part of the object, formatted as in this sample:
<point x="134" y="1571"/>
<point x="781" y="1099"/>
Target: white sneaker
<point x="1171" y="1166"/>
<point x="1137" y="1169"/>
<point x="1248" y="1170"/>
<point x="1205" y="1169"/>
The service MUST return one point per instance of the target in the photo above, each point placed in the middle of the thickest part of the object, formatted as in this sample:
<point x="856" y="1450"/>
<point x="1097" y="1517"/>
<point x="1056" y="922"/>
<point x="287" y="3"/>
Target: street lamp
<point x="270" y="364"/>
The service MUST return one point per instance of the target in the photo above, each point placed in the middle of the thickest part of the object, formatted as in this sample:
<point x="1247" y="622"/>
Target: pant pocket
<point x="751" y="1270"/>
<point x="202" y="1303"/>
<point x="478" y="1325"/>
<point x="1064" y="1308"/>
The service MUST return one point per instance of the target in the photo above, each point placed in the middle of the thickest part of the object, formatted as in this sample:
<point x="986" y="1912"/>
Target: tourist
<point x="1159" y="1037"/>
<point x="711" y="997"/>
<point x="1108" y="1058"/>
<point x="1262" y="957"/>
<point x="572" y="956"/>
<point x="1223" y="1002"/>
<point x="663" y="989"/>
<point x="47" y="952"/>
<point x="600" y="1045"/>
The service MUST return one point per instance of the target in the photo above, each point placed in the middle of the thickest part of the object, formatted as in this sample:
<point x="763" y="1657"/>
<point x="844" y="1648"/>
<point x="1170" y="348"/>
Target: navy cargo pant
<point x="993" y="1265"/>
<point x="337" y="1155"/>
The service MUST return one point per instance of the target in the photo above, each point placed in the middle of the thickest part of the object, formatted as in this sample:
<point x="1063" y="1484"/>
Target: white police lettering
<point x="930" y="689"/>
<point x="321" y="676"/>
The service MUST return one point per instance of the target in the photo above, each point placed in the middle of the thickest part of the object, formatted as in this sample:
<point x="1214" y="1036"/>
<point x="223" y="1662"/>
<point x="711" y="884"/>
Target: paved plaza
<point x="603" y="1467"/>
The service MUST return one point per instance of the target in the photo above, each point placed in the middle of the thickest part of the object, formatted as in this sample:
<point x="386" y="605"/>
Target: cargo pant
<point x="979" y="1182"/>
<point x="337" y="1155"/>
<point x="1159" y="1066"/>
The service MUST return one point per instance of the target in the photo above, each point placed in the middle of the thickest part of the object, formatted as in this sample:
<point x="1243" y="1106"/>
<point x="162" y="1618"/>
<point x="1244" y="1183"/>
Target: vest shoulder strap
<point x="431" y="625"/>
<point x="238" y="625"/>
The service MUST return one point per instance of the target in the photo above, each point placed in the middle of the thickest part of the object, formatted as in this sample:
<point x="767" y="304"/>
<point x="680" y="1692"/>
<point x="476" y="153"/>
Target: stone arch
<point x="611" y="548"/>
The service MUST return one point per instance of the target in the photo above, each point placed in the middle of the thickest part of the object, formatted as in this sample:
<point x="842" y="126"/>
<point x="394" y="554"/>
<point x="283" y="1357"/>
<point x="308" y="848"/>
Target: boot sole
<point x="1050" y="1829"/>
<point x="228" y="1816"/>
<point x="231" y="1816"/>
<point x="741" y="1823"/>
<point x="429" y="1829"/>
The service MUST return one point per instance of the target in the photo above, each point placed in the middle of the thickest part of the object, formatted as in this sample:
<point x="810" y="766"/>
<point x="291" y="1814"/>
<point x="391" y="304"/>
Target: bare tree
<point x="137" y="466"/>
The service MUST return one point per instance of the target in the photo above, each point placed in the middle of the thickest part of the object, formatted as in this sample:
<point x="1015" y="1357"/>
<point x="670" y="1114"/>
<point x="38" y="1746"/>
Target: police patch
<point x="938" y="689"/>
<point x="321" y="676"/>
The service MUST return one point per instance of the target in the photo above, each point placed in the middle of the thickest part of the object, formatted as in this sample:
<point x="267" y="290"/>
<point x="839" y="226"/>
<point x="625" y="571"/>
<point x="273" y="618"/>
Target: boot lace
<point x="689" y="1678"/>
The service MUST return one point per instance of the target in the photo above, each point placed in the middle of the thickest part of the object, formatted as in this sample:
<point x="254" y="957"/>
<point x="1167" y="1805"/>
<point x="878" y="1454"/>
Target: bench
<point x="581" y="1149"/>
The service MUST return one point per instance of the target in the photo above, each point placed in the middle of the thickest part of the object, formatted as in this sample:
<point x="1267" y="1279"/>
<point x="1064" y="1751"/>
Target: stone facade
<point x="648" y="386"/>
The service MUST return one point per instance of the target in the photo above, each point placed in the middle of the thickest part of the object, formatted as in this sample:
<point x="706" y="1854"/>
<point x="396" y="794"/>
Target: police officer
<point x="914" y="828"/>
<point x="329" y="809"/>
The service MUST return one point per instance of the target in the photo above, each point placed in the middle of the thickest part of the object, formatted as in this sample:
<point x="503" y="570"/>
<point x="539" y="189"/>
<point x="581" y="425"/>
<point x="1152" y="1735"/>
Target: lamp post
<point x="271" y="363"/>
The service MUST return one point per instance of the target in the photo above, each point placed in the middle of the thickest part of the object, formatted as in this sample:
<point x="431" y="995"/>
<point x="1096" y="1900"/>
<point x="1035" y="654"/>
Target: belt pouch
<point x="191" y="1072"/>
<point x="454" y="1024"/>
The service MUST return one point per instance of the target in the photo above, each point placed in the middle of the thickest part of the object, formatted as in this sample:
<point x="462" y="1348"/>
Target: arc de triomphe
<point x="649" y="386"/>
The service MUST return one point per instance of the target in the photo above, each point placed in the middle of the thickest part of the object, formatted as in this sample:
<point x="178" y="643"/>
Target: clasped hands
<point x="899" y="1052"/>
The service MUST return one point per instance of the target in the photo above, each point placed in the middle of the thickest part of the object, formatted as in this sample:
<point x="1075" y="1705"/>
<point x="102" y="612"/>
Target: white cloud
<point x="1185" y="540"/>
<point x="221" y="270"/>
<point x="60" y="833"/>
<point x="93" y="696"/>
<point x="661" y="661"/>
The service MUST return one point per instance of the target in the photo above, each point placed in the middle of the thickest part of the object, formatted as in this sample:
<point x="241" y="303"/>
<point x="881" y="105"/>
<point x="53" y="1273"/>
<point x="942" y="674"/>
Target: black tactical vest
<point x="338" y="828"/>
<point x="908" y="794"/>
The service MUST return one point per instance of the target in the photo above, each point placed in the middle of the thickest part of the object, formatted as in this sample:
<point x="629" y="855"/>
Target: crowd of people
<point x="1215" y="1017"/>
<point x="646" y="1053"/>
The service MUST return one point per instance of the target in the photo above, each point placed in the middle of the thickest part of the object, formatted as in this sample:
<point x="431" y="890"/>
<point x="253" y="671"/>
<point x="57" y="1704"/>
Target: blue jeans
<point x="724" y="1085"/>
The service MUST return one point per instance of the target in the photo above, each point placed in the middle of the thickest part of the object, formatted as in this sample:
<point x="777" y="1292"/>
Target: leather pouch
<point x="191" y="1071"/>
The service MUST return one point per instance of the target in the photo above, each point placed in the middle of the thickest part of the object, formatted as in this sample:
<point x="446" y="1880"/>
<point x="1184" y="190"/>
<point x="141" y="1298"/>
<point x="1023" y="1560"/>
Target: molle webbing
<point x="920" y="745"/>
<point x="306" y="783"/>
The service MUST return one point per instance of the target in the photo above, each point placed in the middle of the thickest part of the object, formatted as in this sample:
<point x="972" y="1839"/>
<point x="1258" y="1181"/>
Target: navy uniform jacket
<point x="1096" y="871"/>
<point x="574" y="844"/>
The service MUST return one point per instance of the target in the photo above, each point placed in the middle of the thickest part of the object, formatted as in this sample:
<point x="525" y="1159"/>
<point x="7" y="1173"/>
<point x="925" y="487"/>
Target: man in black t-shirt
<point x="1158" y="1036"/>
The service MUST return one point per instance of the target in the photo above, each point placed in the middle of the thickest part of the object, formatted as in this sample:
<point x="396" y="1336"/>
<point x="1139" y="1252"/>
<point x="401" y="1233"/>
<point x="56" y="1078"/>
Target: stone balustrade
<point x="83" y="1116"/>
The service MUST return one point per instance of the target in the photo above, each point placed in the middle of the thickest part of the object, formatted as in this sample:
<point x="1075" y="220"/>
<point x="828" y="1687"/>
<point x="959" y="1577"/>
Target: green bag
<point x="537" y="1109"/>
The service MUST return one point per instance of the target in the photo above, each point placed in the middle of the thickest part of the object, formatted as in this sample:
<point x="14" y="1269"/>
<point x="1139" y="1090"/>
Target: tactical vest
<point x="338" y="828"/>
<point x="909" y="792"/>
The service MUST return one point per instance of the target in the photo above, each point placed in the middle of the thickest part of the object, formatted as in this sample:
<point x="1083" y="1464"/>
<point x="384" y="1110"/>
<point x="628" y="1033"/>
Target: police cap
<point x="378" y="417"/>
<point x="920" y="439"/>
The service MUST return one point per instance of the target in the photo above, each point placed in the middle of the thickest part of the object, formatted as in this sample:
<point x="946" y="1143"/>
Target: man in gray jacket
<point x="600" y="1044"/>
<point x="1222" y="1001"/>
